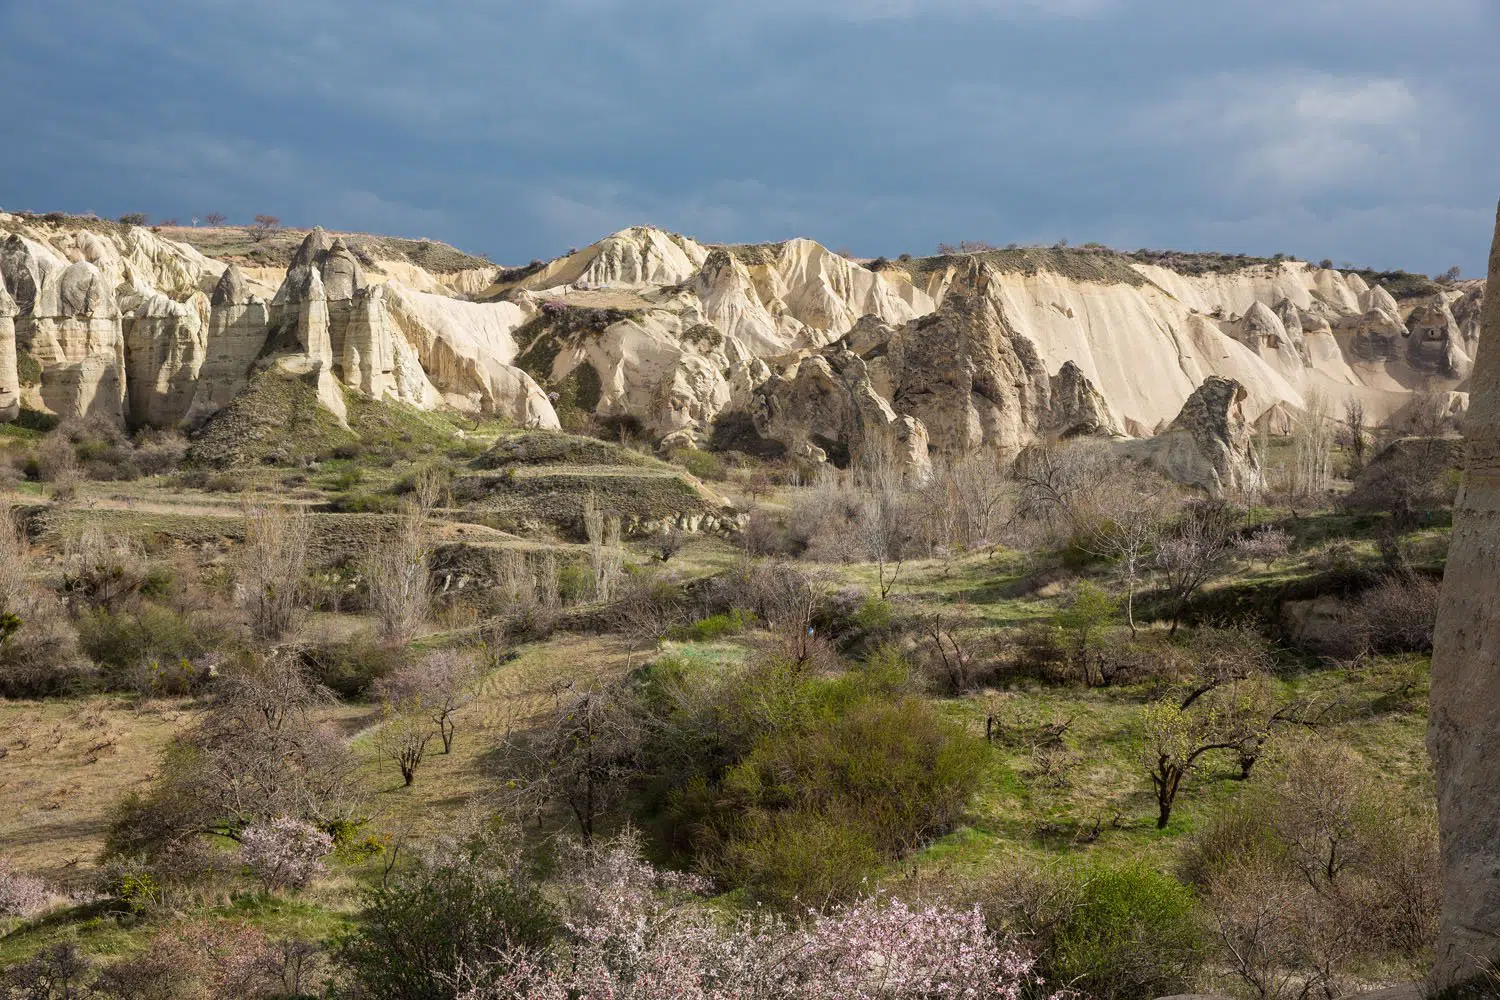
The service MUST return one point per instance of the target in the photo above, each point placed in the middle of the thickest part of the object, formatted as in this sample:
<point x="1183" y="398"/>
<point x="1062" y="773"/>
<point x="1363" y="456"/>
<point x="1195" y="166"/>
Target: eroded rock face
<point x="1375" y="335"/>
<point x="165" y="346"/>
<point x="73" y="330"/>
<point x="1463" y="733"/>
<point x="966" y="376"/>
<point x="1434" y="343"/>
<point x="827" y="409"/>
<point x="237" y="327"/>
<point x="1209" y="444"/>
<point x="1077" y="408"/>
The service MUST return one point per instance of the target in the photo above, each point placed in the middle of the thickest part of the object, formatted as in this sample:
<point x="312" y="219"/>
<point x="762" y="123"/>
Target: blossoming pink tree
<point x="285" y="853"/>
<point x="634" y="933"/>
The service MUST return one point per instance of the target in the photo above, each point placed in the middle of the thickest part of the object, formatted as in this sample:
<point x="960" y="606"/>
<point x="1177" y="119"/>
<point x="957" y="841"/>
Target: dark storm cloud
<point x="1355" y="129"/>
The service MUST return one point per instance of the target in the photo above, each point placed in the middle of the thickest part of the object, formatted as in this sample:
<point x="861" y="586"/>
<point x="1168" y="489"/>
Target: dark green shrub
<point x="1127" y="933"/>
<point x="351" y="668"/>
<point x="798" y="786"/>
<point x="703" y="464"/>
<point x="361" y="502"/>
<point x="128" y="641"/>
<point x="803" y="856"/>
<point x="574" y="583"/>
<point x="28" y="368"/>
<point x="455" y="910"/>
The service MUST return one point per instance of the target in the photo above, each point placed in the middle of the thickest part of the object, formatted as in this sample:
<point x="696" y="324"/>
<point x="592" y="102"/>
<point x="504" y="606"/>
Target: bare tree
<point x="577" y="754"/>
<point x="1056" y="480"/>
<point x="272" y="564"/>
<point x="259" y="752"/>
<point x="971" y="495"/>
<point x="1121" y="519"/>
<point x="1312" y="448"/>
<point x="397" y="576"/>
<point x="215" y="219"/>
<point x="1195" y="552"/>
<point x="1354" y="423"/>
<point x="36" y="642"/>
<point x="439" y="686"/>
<point x="263" y="226"/>
<point x="884" y="522"/>
<point x="404" y="733"/>
<point x="603" y="533"/>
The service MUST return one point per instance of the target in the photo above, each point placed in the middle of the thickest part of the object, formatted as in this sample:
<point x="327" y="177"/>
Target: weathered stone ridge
<point x="953" y="352"/>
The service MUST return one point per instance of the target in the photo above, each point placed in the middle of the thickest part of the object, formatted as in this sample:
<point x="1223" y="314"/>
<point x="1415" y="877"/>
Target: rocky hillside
<point x="809" y="351"/>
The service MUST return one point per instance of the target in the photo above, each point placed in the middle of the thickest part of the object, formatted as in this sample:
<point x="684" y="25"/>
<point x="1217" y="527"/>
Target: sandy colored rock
<point x="74" y="332"/>
<point x="1209" y="443"/>
<point x="166" y="343"/>
<point x="966" y="376"/>
<point x="1463" y="733"/>
<point x="826" y="408"/>
<point x="1076" y="408"/>
<point x="10" y="379"/>
<point x="237" y="328"/>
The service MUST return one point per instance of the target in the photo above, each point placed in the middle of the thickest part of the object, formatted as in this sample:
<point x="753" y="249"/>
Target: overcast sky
<point x="1361" y="130"/>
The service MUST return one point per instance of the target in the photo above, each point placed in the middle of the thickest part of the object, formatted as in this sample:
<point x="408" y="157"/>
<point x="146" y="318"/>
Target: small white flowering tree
<point x="20" y="894"/>
<point x="285" y="853"/>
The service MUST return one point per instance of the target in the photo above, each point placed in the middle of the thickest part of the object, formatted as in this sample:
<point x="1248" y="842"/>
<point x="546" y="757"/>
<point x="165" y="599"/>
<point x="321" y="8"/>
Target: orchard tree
<point x="438" y="686"/>
<point x="1173" y="742"/>
<point x="1195" y="552"/>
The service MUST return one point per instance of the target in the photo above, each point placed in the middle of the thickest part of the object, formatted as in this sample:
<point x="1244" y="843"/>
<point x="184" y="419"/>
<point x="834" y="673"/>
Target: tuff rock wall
<point x="1464" y="723"/>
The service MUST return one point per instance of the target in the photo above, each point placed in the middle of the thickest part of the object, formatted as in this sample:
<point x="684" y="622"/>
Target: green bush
<point x="799" y="787"/>
<point x="1128" y="932"/>
<point x="575" y="583"/>
<point x="803" y="856"/>
<point x="351" y="668"/>
<point x="28" y="368"/>
<point x="452" y="912"/>
<point x="703" y="464"/>
<point x="124" y="642"/>
<point x="732" y="622"/>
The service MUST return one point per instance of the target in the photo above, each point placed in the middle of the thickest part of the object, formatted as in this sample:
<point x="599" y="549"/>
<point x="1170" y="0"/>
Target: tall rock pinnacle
<point x="1464" y="727"/>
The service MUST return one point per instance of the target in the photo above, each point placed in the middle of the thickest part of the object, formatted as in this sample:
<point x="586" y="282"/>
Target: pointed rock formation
<point x="10" y="373"/>
<point x="1463" y="733"/>
<point x="342" y="278"/>
<point x="236" y="335"/>
<point x="1209" y="444"/>
<point x="1077" y="408"/>
<point x="962" y="371"/>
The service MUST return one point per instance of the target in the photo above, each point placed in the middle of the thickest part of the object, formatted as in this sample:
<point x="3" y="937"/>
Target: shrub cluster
<point x="798" y="785"/>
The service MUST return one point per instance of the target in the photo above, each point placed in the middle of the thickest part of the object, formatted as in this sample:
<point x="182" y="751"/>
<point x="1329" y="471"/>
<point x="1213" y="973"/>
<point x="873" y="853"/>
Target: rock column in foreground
<point x="10" y="376"/>
<point x="1464" y="728"/>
